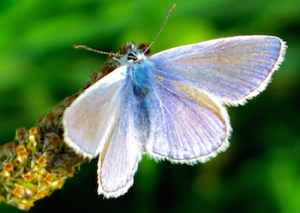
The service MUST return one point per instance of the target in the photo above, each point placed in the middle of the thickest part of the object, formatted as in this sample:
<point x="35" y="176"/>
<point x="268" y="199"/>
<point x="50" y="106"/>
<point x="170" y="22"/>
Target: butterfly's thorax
<point x="139" y="67"/>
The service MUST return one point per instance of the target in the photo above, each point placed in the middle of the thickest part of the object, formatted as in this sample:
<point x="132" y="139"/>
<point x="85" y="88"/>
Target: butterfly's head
<point x="134" y="53"/>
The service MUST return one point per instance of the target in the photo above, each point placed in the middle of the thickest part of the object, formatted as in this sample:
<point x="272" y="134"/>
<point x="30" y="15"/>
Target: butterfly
<point x="169" y="105"/>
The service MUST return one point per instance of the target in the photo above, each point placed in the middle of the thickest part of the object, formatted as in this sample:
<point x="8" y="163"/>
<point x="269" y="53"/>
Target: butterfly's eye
<point x="131" y="56"/>
<point x="142" y="47"/>
<point x="123" y="49"/>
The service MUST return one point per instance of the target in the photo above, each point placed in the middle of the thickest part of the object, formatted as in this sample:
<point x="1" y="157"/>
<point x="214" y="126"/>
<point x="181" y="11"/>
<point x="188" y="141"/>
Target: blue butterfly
<point x="169" y="105"/>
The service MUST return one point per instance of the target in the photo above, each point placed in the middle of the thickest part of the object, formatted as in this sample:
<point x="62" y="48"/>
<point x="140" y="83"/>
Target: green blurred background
<point x="260" y="171"/>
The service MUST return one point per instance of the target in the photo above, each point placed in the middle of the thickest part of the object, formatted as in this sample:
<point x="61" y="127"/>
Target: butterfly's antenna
<point x="162" y="27"/>
<point x="79" y="46"/>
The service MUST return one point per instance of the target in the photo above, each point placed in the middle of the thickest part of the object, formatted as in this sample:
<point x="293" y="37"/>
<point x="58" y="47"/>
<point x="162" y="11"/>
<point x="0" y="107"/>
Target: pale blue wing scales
<point x="233" y="69"/>
<point x="119" y="158"/>
<point x="105" y="120"/>
<point x="186" y="126"/>
<point x="89" y="119"/>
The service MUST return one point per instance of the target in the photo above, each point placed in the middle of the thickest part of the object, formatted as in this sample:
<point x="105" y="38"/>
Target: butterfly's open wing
<point x="188" y="121"/>
<point x="103" y="120"/>
<point x="232" y="69"/>
<point x="186" y="126"/>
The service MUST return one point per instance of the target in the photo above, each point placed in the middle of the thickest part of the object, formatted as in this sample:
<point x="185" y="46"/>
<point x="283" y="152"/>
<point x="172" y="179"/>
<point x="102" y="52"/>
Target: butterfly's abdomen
<point x="141" y="77"/>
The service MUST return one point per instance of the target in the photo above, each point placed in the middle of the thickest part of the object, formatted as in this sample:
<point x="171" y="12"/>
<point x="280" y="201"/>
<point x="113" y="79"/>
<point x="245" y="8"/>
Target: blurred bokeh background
<point x="260" y="172"/>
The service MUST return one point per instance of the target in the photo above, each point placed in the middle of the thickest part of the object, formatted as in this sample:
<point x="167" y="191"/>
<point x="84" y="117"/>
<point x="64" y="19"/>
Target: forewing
<point x="233" y="69"/>
<point x="90" y="118"/>
<point x="187" y="126"/>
